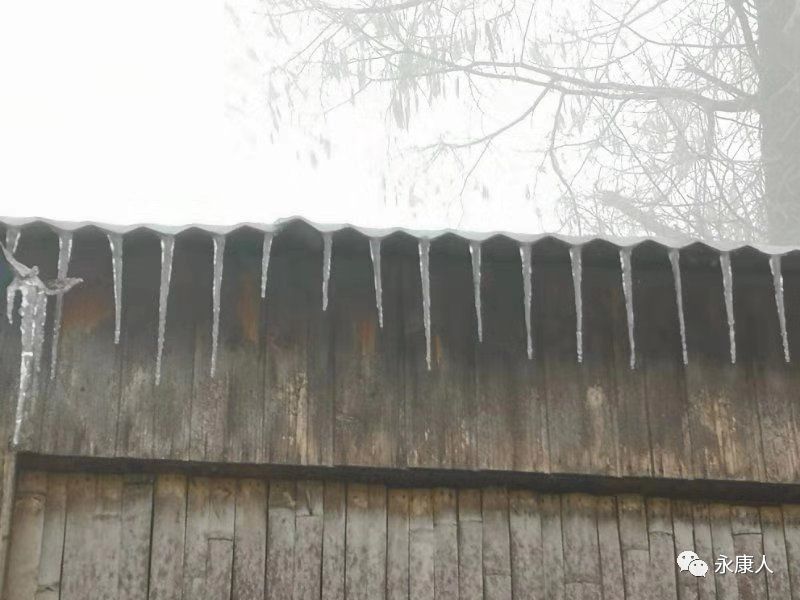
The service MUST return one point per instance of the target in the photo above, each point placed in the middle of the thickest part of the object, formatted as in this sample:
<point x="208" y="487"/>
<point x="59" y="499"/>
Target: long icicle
<point x="675" y="261"/>
<point x="475" y="255"/>
<point x="33" y="312"/>
<point x="527" y="288"/>
<point x="425" y="278"/>
<point x="627" y="289"/>
<point x="12" y="239"/>
<point x="216" y="291"/>
<point x="115" y="242"/>
<point x="327" y="254"/>
<point x="265" y="253"/>
<point x="576" y="258"/>
<point x="780" y="303"/>
<point x="167" y="250"/>
<point x="727" y="284"/>
<point x="375" y="255"/>
<point x="64" y="255"/>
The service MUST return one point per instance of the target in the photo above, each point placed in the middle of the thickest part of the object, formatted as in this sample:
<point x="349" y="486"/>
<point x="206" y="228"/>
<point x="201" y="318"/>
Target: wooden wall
<point x="299" y="386"/>
<point x="81" y="536"/>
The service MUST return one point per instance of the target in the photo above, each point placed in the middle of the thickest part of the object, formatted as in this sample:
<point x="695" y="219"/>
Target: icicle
<point x="115" y="242"/>
<point x="219" y="255"/>
<point x="375" y="255"/>
<point x="577" y="284"/>
<point x="12" y="239"/>
<point x="64" y="255"/>
<point x="425" y="277"/>
<point x="327" y="252"/>
<point x="527" y="288"/>
<point x="675" y="261"/>
<point x="627" y="288"/>
<point x="727" y="283"/>
<point x="780" y="304"/>
<point x="167" y="249"/>
<point x="265" y="252"/>
<point x="475" y="255"/>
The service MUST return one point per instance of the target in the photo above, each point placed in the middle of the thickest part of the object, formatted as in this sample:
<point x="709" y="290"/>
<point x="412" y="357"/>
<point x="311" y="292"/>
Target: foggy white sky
<point x="115" y="112"/>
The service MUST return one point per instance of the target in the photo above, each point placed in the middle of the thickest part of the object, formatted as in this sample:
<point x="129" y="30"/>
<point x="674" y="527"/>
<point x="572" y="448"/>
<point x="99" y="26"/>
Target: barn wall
<point x="299" y="386"/>
<point x="83" y="536"/>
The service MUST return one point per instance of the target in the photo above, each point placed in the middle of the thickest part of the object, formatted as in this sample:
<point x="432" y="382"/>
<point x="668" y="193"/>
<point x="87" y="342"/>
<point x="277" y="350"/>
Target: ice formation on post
<point x="627" y="289"/>
<point x="475" y="256"/>
<point x="527" y="288"/>
<point x="265" y="252"/>
<point x="575" y="255"/>
<point x="425" y="278"/>
<point x="375" y="255"/>
<point x="327" y="253"/>
<point x="115" y="243"/>
<point x="216" y="291"/>
<point x="167" y="249"/>
<point x="780" y="303"/>
<point x="12" y="239"/>
<point x="64" y="255"/>
<point x="727" y="284"/>
<point x="675" y="261"/>
<point x="33" y="314"/>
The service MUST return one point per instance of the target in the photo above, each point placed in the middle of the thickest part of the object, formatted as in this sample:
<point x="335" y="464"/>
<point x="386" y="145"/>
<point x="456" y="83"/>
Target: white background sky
<point x="115" y="112"/>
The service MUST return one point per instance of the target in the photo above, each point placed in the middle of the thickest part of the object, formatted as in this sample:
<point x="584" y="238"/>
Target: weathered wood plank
<point x="791" y="529"/>
<point x="662" y="549"/>
<point x="376" y="545"/>
<point x="49" y="576"/>
<point x="197" y="532"/>
<point x="136" y="520"/>
<point x="683" y="530"/>
<point x="635" y="545"/>
<point x="778" y="583"/>
<point x="703" y="546"/>
<point x="333" y="543"/>
<point x="168" y="537"/>
<point x="553" y="547"/>
<point x="308" y="540"/>
<point x="79" y="563"/>
<point x="105" y="536"/>
<point x="527" y="560"/>
<point x="581" y="551"/>
<point x="250" y="540"/>
<point x="719" y="516"/>
<point x="445" y="532"/>
<point x="496" y="545"/>
<point x="219" y="568"/>
<point x="27" y="531"/>
<point x="280" y="540"/>
<point x="608" y="542"/>
<point x="747" y="540"/>
<point x="221" y="523"/>
<point x="397" y="545"/>
<point x="421" y="546"/>
<point x="470" y="545"/>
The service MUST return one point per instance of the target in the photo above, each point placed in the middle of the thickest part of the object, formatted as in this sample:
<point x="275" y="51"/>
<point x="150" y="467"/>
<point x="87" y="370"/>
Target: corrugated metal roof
<point x="572" y="240"/>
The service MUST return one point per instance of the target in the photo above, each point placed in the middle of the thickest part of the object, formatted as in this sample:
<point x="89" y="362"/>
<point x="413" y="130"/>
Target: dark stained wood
<point x="250" y="541"/>
<point x="168" y="538"/>
<point x="527" y="560"/>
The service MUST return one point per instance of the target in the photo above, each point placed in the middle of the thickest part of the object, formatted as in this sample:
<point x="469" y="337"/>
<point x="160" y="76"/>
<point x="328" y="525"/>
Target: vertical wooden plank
<point x="470" y="545"/>
<point x="219" y="568"/>
<point x="496" y="545"/>
<point x="553" y="547"/>
<point x="746" y="529"/>
<point x="778" y="583"/>
<point x="333" y="542"/>
<point x="106" y="536"/>
<point x="610" y="552"/>
<point x="397" y="544"/>
<point x="308" y="541"/>
<point x="356" y="569"/>
<point x="136" y="520"/>
<point x="581" y="552"/>
<point x="527" y="560"/>
<point x="703" y="546"/>
<point x="662" y="549"/>
<point x="683" y="528"/>
<point x="421" y="546"/>
<point x="49" y="577"/>
<point x="196" y="546"/>
<point x="79" y="567"/>
<point x="376" y="542"/>
<point x="250" y="540"/>
<point x="25" y="548"/>
<point x="221" y="513"/>
<point x="722" y="539"/>
<point x="635" y="545"/>
<point x="169" y="531"/>
<point x="445" y="531"/>
<point x="791" y="529"/>
<point x="280" y="540"/>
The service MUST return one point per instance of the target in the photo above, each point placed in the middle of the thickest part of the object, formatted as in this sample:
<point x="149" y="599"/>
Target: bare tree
<point x="669" y="116"/>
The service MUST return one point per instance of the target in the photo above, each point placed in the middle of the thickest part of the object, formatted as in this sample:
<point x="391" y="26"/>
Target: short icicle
<point x="780" y="303"/>
<point x="576" y="258"/>
<point x="167" y="250"/>
<point x="375" y="255"/>
<point x="527" y="288"/>
<point x="327" y="254"/>
<point x="727" y="284"/>
<point x="675" y="261"/>
<point x="265" y="252"/>
<point x="425" y="278"/>
<point x="475" y="255"/>
<point x="216" y="291"/>
<point x="12" y="239"/>
<point x="115" y="242"/>
<point x="64" y="255"/>
<point x="627" y="289"/>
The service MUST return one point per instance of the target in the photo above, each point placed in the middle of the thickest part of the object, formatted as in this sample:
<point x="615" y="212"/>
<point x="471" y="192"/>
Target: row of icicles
<point x="575" y="252"/>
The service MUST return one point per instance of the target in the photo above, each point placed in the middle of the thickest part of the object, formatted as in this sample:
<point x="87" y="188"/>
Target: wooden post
<point x="6" y="509"/>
